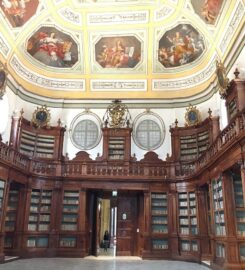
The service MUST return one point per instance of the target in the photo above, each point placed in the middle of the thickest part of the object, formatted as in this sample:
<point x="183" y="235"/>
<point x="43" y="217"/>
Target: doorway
<point x="119" y="214"/>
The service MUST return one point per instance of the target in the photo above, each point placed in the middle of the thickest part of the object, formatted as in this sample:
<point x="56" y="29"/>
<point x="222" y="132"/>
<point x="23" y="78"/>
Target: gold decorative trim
<point x="222" y="78"/>
<point x="192" y="116"/>
<point x="41" y="117"/>
<point x="117" y="115"/>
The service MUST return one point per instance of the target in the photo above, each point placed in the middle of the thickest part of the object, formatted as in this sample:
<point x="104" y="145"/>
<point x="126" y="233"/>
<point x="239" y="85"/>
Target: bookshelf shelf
<point x="116" y="144"/>
<point x="159" y="213"/>
<point x="2" y="184"/>
<point x="116" y="148"/>
<point x="242" y="252"/>
<point x="189" y="245"/>
<point x="218" y="206"/>
<point x="40" y="207"/>
<point x="70" y="210"/>
<point x="37" y="242"/>
<point x="187" y="213"/>
<point x="10" y="218"/>
<point x="220" y="250"/>
<point x="68" y="241"/>
<point x="192" y="146"/>
<point x="239" y="204"/>
<point x="33" y="144"/>
<point x="160" y="244"/>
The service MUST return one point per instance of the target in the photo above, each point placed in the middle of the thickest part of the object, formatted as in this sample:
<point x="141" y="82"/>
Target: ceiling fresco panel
<point x="118" y="52"/>
<point x="18" y="12"/>
<point x="208" y="10"/>
<point x="180" y="46"/>
<point x="125" y="49"/>
<point x="53" y="48"/>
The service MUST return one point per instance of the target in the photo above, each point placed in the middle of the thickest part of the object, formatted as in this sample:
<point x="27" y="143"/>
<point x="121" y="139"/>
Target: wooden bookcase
<point x="188" y="143"/>
<point x="70" y="213"/>
<point x="187" y="213"/>
<point x="2" y="185"/>
<point x="189" y="245"/>
<point x="117" y="144"/>
<point x="218" y="208"/>
<point x="235" y="97"/>
<point x="11" y="213"/>
<point x="220" y="250"/>
<point x="40" y="241"/>
<point x="239" y="204"/>
<point x="41" y="143"/>
<point x="116" y="148"/>
<point x="40" y="211"/>
<point x="40" y="146"/>
<point x="67" y="241"/>
<point x="159" y="221"/>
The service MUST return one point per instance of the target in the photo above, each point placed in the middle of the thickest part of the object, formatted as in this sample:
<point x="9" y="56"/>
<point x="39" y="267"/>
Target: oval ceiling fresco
<point x="53" y="48"/>
<point x="180" y="45"/>
<point x="208" y="10"/>
<point x="118" y="52"/>
<point x="19" y="12"/>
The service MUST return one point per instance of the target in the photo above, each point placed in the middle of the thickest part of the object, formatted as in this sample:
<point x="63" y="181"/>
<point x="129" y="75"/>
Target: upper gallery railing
<point x="142" y="170"/>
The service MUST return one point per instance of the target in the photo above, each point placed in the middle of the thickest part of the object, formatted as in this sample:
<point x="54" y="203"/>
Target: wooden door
<point x="127" y="220"/>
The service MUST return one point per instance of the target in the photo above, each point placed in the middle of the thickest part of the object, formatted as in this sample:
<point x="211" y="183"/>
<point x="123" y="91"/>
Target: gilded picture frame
<point x="192" y="116"/>
<point x="41" y="117"/>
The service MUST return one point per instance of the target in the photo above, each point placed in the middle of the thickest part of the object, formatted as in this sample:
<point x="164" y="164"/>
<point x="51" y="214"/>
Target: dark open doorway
<point x="120" y="214"/>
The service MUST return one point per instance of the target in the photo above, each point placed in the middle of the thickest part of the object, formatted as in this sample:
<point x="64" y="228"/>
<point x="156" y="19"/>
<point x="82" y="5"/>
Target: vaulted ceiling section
<point x="152" y="50"/>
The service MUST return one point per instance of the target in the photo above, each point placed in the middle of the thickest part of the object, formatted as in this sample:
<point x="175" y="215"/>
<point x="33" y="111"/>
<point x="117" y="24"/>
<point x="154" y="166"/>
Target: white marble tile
<point x="99" y="263"/>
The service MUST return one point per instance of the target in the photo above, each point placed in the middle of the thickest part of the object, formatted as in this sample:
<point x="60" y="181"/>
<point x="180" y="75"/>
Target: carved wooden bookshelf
<point x="40" y="143"/>
<point x="188" y="143"/>
<point x="117" y="144"/>
<point x="159" y="221"/>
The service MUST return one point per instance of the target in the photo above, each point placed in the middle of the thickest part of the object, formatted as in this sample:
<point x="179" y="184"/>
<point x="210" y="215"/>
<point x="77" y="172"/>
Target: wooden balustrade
<point x="163" y="170"/>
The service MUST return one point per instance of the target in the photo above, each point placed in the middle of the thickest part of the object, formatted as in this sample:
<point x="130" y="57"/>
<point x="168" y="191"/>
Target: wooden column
<point x="2" y="220"/>
<point x="56" y="204"/>
<point x="146" y="227"/>
<point x="27" y="191"/>
<point x="230" y="218"/>
<point x="173" y="225"/>
<point x="15" y="130"/>
<point x="20" y="220"/>
<point x="83" y="241"/>
<point x="215" y="128"/>
<point x="203" y="224"/>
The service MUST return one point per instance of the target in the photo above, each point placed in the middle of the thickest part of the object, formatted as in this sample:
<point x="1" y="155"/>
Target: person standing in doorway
<point x="106" y="240"/>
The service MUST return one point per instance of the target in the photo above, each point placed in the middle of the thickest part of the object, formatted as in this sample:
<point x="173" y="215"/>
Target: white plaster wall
<point x="7" y="108"/>
<point x="67" y="116"/>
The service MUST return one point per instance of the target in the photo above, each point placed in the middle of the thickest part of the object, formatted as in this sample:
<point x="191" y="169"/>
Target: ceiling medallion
<point x="3" y="80"/>
<point x="222" y="78"/>
<point x="117" y="115"/>
<point x="192" y="116"/>
<point x="41" y="117"/>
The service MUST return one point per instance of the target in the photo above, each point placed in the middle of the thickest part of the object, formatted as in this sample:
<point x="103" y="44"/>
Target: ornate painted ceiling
<point x="126" y="49"/>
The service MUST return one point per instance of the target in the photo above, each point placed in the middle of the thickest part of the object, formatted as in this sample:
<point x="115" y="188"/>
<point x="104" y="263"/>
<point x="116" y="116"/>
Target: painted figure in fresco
<point x="50" y="50"/>
<point x="180" y="47"/>
<point x="18" y="12"/>
<point x="117" y="56"/>
<point x="15" y="10"/>
<point x="210" y="10"/>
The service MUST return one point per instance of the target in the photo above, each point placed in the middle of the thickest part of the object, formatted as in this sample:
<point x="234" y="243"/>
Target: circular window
<point x="149" y="131"/>
<point x="85" y="134"/>
<point x="85" y="131"/>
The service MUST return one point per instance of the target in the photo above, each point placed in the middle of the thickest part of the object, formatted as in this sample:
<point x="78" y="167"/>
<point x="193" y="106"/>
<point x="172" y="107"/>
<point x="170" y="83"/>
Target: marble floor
<point x="99" y="263"/>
